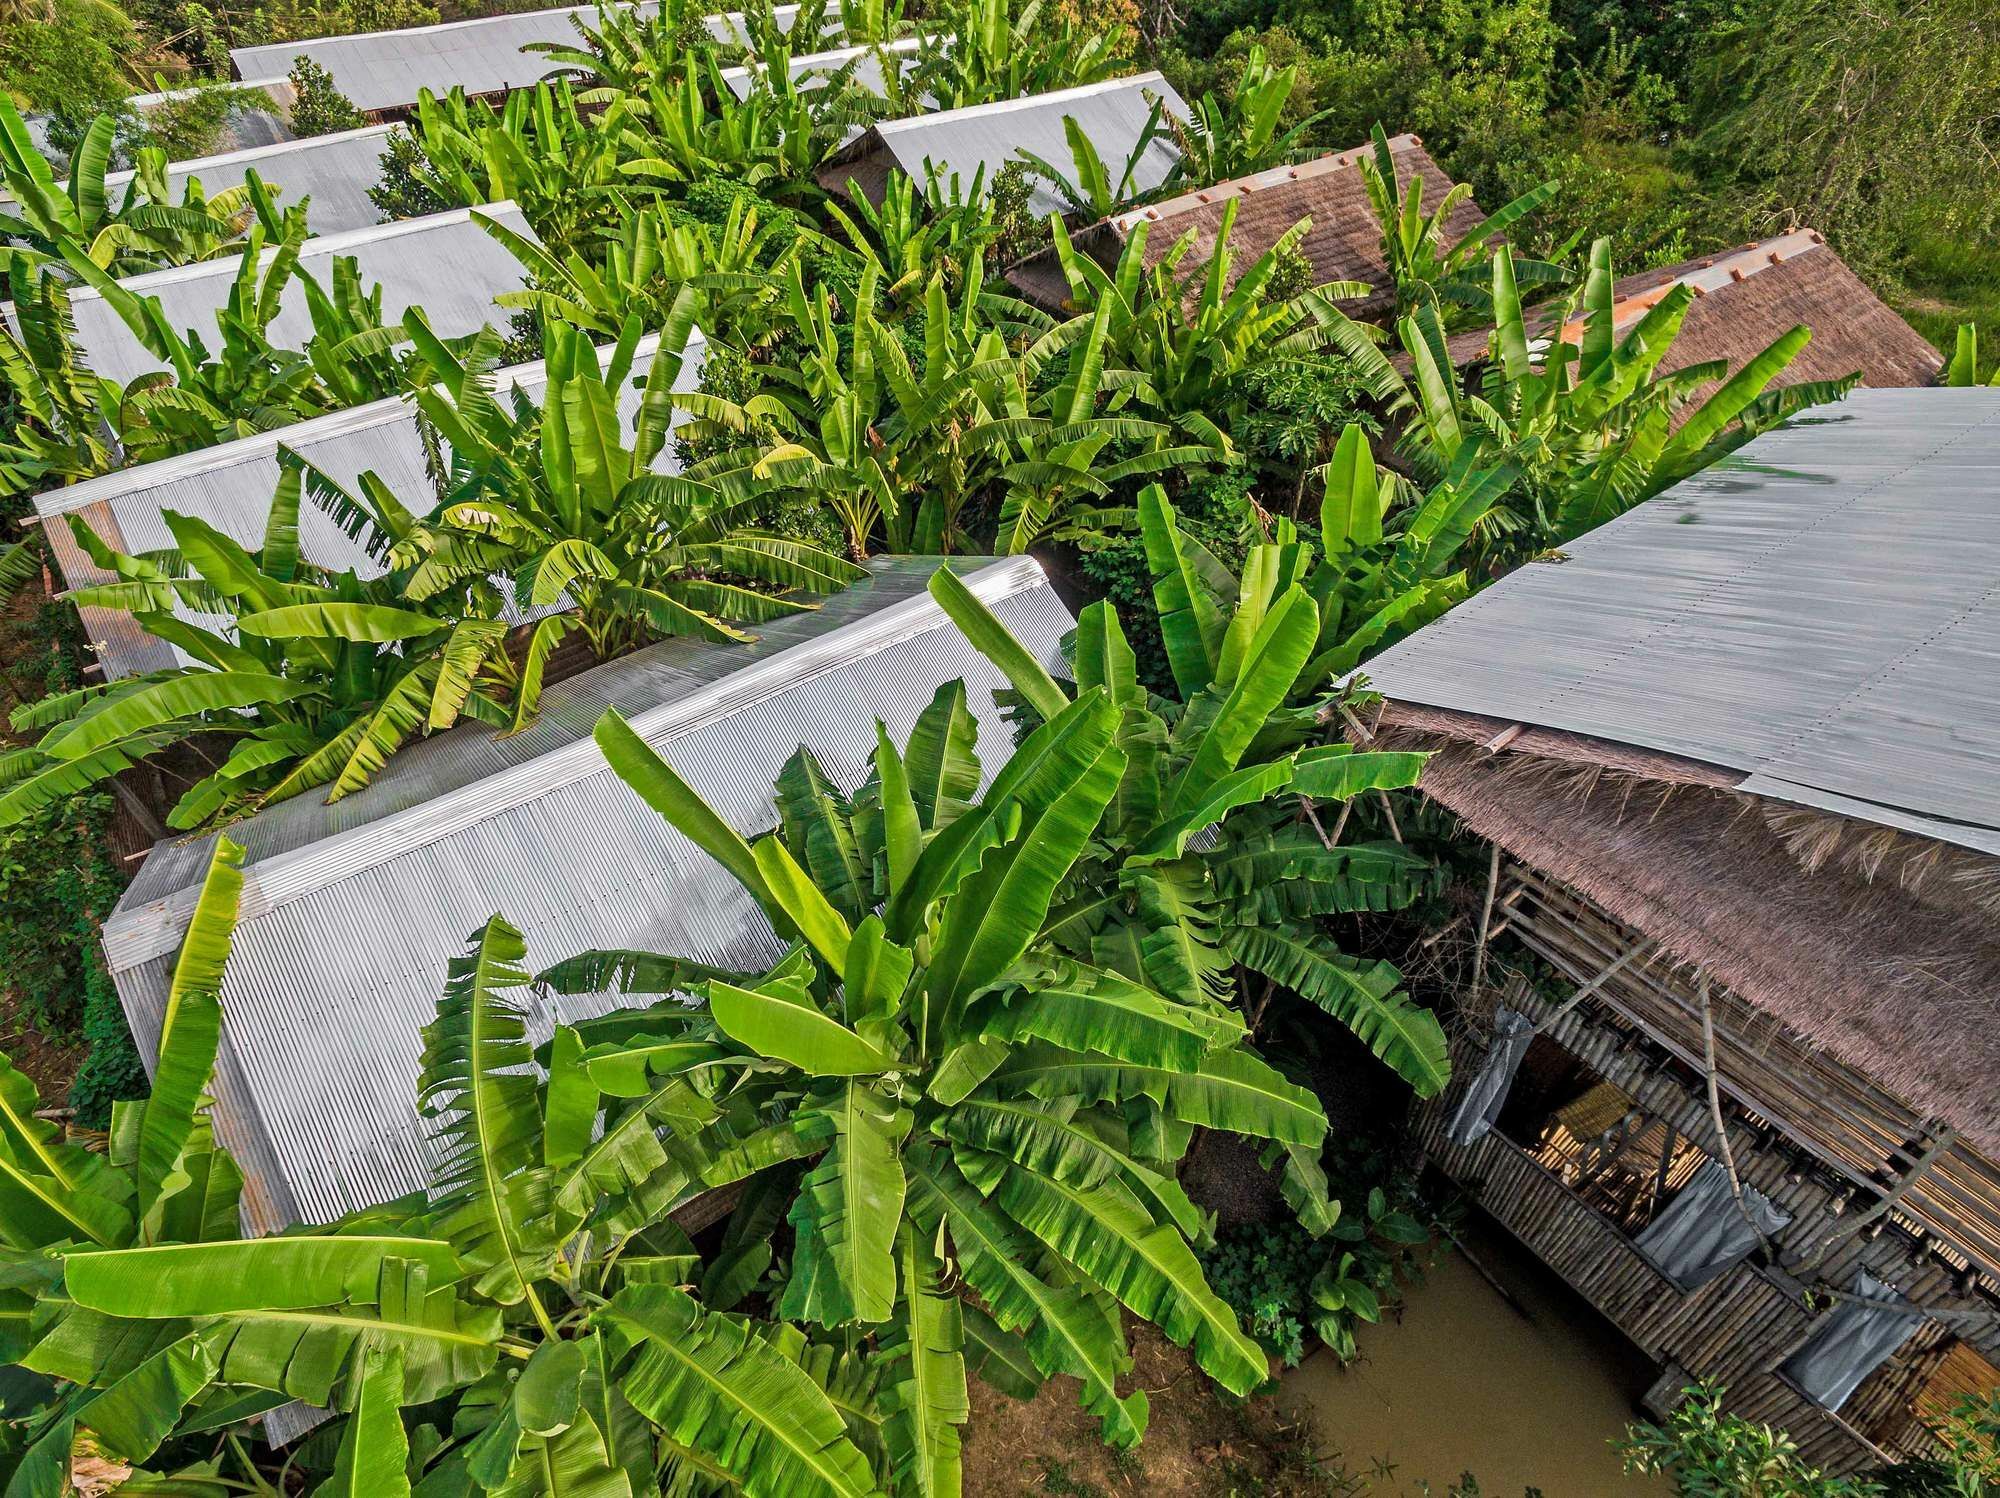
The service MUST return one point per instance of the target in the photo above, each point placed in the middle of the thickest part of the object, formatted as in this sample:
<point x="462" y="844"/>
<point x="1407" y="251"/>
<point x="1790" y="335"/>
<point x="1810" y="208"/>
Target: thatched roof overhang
<point x="1875" y="947"/>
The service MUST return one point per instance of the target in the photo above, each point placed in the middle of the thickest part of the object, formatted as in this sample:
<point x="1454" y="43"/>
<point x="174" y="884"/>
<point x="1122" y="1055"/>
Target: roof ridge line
<point x="1323" y="165"/>
<point x="155" y="929"/>
<point x="313" y="244"/>
<point x="70" y="498"/>
<point x="1003" y="106"/>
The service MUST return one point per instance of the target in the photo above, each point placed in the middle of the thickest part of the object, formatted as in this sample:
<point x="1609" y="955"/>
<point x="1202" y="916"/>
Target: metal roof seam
<point x="1676" y="620"/>
<point x="135" y="936"/>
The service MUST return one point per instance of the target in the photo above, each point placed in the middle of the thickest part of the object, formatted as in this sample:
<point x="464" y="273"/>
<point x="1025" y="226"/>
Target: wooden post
<point x="1945" y="1139"/>
<point x="1486" y="921"/>
<point x="1727" y="1155"/>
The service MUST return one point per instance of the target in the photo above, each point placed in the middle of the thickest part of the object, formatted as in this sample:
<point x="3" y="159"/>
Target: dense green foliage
<point x="921" y="1092"/>
<point x="998" y="1017"/>
<point x="1293" y="1289"/>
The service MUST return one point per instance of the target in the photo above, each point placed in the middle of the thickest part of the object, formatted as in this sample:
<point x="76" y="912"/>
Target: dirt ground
<point x="1198" y="1444"/>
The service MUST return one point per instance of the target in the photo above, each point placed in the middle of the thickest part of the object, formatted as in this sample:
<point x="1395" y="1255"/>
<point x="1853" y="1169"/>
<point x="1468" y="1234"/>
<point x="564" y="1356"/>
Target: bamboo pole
<point x="1726" y="1154"/>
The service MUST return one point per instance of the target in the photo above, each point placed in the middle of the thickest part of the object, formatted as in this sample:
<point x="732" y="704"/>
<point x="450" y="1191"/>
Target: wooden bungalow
<point x="1344" y="243"/>
<point x="1728" y="1061"/>
<point x="1746" y="297"/>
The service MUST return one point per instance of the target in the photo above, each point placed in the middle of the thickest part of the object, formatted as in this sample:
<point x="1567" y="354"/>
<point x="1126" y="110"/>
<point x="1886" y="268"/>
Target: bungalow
<point x="335" y="171"/>
<point x="867" y="62"/>
<point x="230" y="487"/>
<point x="1726" y="1058"/>
<point x="1747" y="297"/>
<point x="382" y="73"/>
<point x="445" y="263"/>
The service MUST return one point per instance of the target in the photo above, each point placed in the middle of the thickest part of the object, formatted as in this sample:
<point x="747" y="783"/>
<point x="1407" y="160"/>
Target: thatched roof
<point x="1344" y="244"/>
<point x="1746" y="298"/>
<point x="1875" y="946"/>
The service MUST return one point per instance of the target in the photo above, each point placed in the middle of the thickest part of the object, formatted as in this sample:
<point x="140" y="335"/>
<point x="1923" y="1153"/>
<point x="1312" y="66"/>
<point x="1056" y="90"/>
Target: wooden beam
<point x="1945" y="1139"/>
<point x="1727" y="1155"/>
<point x="1618" y="965"/>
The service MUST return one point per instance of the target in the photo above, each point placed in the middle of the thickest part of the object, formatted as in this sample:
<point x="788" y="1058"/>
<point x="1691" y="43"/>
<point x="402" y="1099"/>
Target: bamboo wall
<point x="1737" y="1329"/>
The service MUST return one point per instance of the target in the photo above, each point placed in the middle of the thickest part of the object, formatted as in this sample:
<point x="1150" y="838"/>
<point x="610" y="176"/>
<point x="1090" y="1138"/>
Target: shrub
<point x="69" y="59"/>
<point x="318" y="108"/>
<point x="1213" y="511"/>
<point x="55" y="885"/>
<point x="399" y="194"/>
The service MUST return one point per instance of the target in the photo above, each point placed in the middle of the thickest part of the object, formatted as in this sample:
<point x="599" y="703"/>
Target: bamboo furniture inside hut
<point x="1727" y="1058"/>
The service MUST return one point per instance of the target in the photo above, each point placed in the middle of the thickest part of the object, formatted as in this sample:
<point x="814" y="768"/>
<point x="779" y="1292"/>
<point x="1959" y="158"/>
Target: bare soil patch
<point x="1199" y="1443"/>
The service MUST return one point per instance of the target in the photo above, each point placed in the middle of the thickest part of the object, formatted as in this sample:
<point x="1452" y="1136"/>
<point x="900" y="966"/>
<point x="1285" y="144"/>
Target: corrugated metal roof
<point x="382" y="70"/>
<point x="1111" y="115"/>
<point x="868" y="73"/>
<point x="230" y="487"/>
<point x="350" y="912"/>
<point x="1820" y="611"/>
<point x="444" y="263"/>
<point x="335" y="171"/>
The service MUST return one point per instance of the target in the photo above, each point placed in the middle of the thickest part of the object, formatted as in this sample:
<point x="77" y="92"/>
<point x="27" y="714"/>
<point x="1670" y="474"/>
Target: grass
<point x="1949" y="280"/>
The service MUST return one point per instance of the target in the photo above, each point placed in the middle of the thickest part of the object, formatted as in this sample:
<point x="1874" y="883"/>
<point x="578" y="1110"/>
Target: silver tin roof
<point x="1111" y="115"/>
<point x="1819" y="611"/>
<point x="868" y="73"/>
<point x="350" y="911"/>
<point x="386" y="70"/>
<point x="230" y="487"/>
<point x="335" y="171"/>
<point x="444" y="263"/>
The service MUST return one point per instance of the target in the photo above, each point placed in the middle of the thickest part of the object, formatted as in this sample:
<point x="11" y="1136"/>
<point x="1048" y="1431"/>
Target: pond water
<point x="1467" y="1383"/>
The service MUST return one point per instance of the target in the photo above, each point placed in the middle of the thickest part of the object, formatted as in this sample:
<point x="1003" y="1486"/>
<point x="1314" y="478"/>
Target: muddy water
<point x="1467" y="1384"/>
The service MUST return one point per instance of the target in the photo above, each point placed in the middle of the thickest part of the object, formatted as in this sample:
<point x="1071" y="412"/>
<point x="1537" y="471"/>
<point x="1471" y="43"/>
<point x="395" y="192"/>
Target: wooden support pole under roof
<point x="1727" y="1155"/>
<point x="1944" y="1139"/>
<point x="1617" y="965"/>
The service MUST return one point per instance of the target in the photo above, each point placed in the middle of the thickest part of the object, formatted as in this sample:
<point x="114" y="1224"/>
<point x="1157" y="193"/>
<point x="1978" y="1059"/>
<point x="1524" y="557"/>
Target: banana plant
<point x="1191" y="337"/>
<point x="315" y="680"/>
<point x="913" y="447"/>
<point x="49" y="223"/>
<point x="1963" y="370"/>
<point x="1210" y="858"/>
<point x="1588" y="420"/>
<point x="917" y="1096"/>
<point x="918" y="232"/>
<point x="625" y="48"/>
<point x="980" y="51"/>
<point x="538" y="148"/>
<point x="1426" y="270"/>
<point x="695" y="128"/>
<point x="64" y="425"/>
<point x="1221" y="141"/>
<point x="555" y="499"/>
<point x="1093" y="193"/>
<point x="958" y="1093"/>
<point x="738" y="267"/>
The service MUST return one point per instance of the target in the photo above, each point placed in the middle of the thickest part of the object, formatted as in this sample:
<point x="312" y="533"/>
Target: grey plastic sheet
<point x="1855" y="1341"/>
<point x="1480" y="1108"/>
<point x="1702" y="1233"/>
